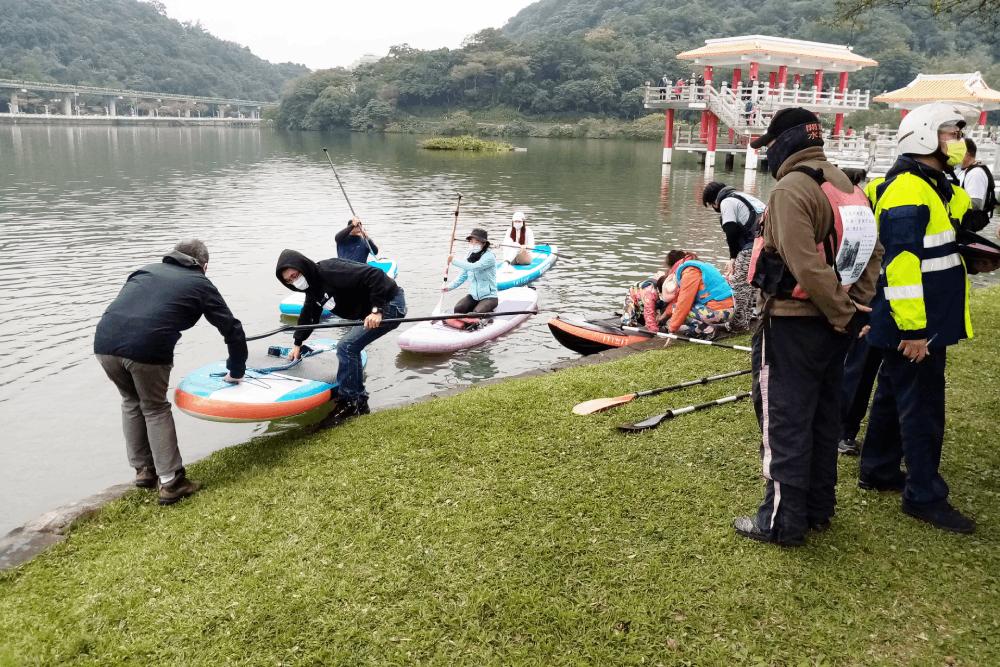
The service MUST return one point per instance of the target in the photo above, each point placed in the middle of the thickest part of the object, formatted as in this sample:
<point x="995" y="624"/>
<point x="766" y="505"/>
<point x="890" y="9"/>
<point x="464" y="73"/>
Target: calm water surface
<point x="80" y="208"/>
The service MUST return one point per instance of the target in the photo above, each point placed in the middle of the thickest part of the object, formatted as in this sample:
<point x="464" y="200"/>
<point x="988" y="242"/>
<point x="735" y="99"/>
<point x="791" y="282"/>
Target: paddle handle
<point x="692" y="383"/>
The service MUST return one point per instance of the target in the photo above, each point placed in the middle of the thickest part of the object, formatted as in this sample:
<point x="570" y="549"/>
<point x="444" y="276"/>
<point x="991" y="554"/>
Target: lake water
<point x="80" y="208"/>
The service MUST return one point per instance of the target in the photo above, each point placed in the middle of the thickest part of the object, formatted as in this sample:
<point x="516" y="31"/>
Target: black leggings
<point x="468" y="304"/>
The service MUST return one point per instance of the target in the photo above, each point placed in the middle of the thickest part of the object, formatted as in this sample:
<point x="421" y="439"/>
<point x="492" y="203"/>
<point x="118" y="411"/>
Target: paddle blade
<point x="601" y="404"/>
<point x="645" y="424"/>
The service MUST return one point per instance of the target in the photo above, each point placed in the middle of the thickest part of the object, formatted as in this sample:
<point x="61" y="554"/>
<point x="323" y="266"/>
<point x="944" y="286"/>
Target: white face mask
<point x="518" y="225"/>
<point x="475" y="247"/>
<point x="300" y="283"/>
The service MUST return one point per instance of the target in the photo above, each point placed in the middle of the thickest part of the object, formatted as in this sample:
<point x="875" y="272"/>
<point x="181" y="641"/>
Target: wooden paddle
<point x="656" y="420"/>
<point x="601" y="404"/>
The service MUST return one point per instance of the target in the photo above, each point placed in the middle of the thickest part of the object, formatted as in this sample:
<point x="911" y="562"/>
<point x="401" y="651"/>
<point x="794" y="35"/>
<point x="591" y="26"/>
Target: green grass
<point x="465" y="143"/>
<point x="495" y="527"/>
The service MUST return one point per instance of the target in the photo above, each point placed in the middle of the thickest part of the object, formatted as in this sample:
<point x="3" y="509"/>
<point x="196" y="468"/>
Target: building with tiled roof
<point x="968" y="89"/>
<point x="773" y="52"/>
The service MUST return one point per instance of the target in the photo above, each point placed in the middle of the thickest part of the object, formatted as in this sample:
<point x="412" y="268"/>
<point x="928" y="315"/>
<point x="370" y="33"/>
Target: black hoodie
<point x="355" y="288"/>
<point x="157" y="303"/>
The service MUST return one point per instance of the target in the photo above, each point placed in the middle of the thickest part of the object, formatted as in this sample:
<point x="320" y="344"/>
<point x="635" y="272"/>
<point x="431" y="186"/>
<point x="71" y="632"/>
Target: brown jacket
<point x="799" y="217"/>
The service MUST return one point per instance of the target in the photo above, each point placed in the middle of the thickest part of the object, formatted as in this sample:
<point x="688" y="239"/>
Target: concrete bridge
<point x="35" y="98"/>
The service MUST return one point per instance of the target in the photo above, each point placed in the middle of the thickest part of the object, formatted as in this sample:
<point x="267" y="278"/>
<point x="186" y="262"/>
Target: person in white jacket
<point x="519" y="241"/>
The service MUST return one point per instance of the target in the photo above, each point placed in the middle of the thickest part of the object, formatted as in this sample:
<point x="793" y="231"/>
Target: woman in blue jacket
<point x="480" y="269"/>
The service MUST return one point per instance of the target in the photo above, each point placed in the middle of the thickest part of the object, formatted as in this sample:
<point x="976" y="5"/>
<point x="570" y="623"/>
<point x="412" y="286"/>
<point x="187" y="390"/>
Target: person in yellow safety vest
<point x="920" y="308"/>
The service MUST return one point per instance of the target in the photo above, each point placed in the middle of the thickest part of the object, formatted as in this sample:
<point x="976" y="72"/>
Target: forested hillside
<point x="129" y="44"/>
<point x="591" y="57"/>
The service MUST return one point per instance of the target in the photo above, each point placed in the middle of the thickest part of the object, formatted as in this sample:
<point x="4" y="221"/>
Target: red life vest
<point x="847" y="248"/>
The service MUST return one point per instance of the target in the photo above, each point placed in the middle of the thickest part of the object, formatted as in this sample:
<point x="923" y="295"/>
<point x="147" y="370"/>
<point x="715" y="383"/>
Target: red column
<point x="798" y="80"/>
<point x="982" y="118"/>
<point x="818" y="79"/>
<point x="703" y="126"/>
<point x="903" y="112"/>
<point x="713" y="131"/>
<point x="838" y="123"/>
<point x="737" y="77"/>
<point x="754" y="70"/>
<point x="782" y="76"/>
<point x="772" y="77"/>
<point x="668" y="128"/>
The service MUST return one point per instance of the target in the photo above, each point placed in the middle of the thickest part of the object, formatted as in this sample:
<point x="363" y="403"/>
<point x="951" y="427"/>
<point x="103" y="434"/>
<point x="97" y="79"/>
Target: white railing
<point x="763" y="96"/>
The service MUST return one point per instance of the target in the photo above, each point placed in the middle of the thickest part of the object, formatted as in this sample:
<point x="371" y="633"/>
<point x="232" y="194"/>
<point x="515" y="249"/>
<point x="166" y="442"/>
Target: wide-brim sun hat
<point x="479" y="235"/>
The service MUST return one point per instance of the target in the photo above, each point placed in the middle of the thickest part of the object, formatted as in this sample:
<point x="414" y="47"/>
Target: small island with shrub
<point x="466" y="143"/>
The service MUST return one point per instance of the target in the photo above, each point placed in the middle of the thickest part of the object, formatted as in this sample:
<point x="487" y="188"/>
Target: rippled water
<point x="82" y="207"/>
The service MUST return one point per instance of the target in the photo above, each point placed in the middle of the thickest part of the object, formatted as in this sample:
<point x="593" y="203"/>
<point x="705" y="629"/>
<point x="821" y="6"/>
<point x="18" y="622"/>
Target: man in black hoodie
<point x="135" y="343"/>
<point x="360" y="292"/>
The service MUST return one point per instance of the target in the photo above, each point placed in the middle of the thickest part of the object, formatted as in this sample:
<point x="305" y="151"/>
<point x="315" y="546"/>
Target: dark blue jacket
<point x="353" y="248"/>
<point x="156" y="304"/>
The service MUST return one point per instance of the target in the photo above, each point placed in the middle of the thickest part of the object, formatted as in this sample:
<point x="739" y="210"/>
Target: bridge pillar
<point x="13" y="103"/>
<point x="838" y="122"/>
<point x="67" y="105"/>
<point x="750" y="163"/>
<point x="713" y="136"/>
<point x="111" y="103"/>
<point x="668" y="135"/>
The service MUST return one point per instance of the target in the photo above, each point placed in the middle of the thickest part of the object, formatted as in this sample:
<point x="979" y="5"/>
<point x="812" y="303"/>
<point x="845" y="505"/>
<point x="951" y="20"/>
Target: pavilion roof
<point x="969" y="88"/>
<point x="777" y="51"/>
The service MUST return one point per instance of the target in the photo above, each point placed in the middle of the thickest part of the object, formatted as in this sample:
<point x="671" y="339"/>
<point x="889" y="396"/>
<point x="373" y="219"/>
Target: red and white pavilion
<point x="746" y="80"/>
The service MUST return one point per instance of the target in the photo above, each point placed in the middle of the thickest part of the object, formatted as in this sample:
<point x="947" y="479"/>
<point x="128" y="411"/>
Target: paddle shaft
<point x="389" y="320"/>
<point x="348" y="199"/>
<point x="742" y="348"/>
<point x="656" y="420"/>
<point x="451" y="249"/>
<point x="692" y="383"/>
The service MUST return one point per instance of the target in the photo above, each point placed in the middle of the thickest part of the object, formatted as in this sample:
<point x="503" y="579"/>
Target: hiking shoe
<point x="895" y="486"/>
<point x="747" y="527"/>
<point x="180" y="487"/>
<point x="849" y="447"/>
<point x="941" y="515"/>
<point x="145" y="478"/>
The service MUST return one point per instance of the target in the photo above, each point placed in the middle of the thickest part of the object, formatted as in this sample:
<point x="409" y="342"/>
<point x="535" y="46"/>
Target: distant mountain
<point x="129" y="44"/>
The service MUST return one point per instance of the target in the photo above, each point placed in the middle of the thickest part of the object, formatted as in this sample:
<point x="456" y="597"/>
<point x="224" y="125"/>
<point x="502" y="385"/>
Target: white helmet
<point x="517" y="217"/>
<point x="918" y="131"/>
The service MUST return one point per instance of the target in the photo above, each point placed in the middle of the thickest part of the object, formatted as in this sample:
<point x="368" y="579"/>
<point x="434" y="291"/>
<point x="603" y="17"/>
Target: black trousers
<point x="469" y="305"/>
<point x="907" y="423"/>
<point x="860" y="370"/>
<point x="798" y="365"/>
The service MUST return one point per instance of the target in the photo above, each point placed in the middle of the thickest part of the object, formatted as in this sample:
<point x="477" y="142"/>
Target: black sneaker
<point x="341" y="412"/>
<point x="849" y="447"/>
<point x="747" y="527"/>
<point x="895" y="486"/>
<point x="941" y="515"/>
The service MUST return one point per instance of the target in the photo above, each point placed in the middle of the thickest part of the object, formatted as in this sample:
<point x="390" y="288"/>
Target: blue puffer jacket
<point x="481" y="274"/>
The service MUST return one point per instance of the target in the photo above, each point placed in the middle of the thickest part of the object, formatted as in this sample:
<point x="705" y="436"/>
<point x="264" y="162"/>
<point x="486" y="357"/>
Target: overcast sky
<point x="327" y="33"/>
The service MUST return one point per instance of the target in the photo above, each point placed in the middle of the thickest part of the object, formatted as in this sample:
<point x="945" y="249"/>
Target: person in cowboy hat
<point x="480" y="269"/>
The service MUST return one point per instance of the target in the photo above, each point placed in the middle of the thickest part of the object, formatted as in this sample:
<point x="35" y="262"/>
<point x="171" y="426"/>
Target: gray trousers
<point x="148" y="424"/>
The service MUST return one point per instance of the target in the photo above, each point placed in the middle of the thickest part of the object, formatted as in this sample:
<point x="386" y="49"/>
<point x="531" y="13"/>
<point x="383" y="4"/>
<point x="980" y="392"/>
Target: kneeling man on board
<point x="135" y="343"/>
<point x="359" y="292"/>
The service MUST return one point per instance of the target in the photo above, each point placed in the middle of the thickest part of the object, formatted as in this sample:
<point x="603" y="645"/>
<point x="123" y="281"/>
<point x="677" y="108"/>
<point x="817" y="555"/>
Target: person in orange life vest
<point x="704" y="301"/>
<point x="816" y="263"/>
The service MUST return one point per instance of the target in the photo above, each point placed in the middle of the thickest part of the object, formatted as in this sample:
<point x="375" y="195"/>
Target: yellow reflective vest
<point x="923" y="289"/>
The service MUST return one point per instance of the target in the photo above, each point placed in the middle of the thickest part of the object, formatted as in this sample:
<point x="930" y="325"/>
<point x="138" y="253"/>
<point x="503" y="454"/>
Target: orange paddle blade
<point x="601" y="404"/>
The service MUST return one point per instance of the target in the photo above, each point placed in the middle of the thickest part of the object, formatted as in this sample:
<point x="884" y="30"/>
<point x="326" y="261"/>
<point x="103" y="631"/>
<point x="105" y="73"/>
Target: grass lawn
<point x="495" y="527"/>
